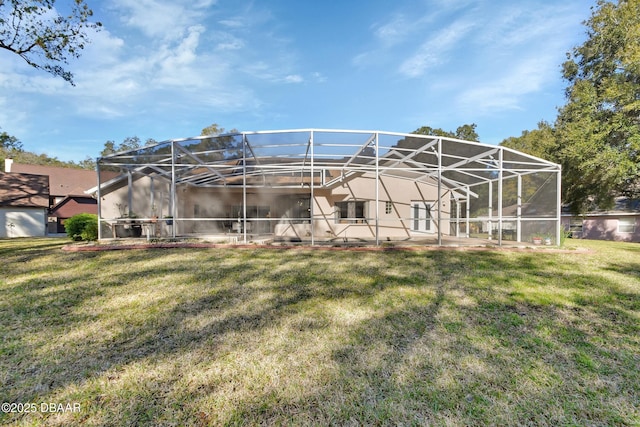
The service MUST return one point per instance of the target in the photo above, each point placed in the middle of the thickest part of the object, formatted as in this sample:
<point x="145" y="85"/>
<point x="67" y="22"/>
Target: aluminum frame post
<point x="99" y="196"/>
<point x="519" y="211"/>
<point x="172" y="195"/>
<point x="559" y="206"/>
<point x="312" y="188"/>
<point x="377" y="190"/>
<point x="500" y="188"/>
<point x="490" y="209"/>
<point x="244" y="188"/>
<point x="439" y="191"/>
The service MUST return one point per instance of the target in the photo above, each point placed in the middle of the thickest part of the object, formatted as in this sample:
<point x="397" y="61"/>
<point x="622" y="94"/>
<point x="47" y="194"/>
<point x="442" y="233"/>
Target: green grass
<point x="302" y="337"/>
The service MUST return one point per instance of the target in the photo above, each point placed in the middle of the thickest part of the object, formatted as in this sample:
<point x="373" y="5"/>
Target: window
<point x="626" y="225"/>
<point x="351" y="212"/>
<point x="388" y="207"/>
<point x="575" y="227"/>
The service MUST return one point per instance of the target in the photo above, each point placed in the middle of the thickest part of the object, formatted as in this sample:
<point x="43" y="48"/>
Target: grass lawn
<point x="302" y="337"/>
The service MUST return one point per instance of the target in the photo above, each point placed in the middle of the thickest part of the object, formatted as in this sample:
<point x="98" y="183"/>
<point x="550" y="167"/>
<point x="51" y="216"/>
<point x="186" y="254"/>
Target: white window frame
<point x="422" y="216"/>
<point x="627" y="225"/>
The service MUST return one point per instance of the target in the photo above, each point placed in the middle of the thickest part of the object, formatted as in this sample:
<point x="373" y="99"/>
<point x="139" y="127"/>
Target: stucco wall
<point x="204" y="210"/>
<point x="22" y="222"/>
<point x="605" y="228"/>
<point x="116" y="203"/>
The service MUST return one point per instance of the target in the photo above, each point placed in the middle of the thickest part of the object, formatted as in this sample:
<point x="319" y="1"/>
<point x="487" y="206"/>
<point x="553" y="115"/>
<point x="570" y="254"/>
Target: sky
<point x="166" y="69"/>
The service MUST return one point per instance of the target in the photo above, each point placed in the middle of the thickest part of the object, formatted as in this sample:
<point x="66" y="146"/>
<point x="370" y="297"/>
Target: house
<point x="24" y="202"/>
<point x="325" y="186"/>
<point x="67" y="188"/>
<point x="620" y="223"/>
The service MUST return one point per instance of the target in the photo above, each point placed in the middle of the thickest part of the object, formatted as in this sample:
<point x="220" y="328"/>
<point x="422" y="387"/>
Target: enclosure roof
<point x="321" y="157"/>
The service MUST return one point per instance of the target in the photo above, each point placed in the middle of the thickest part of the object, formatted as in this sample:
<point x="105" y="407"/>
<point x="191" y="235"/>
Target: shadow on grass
<point x="476" y="355"/>
<point x="452" y="338"/>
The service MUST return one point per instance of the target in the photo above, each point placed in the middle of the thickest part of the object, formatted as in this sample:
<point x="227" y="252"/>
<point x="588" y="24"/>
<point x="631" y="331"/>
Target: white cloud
<point x="506" y="91"/>
<point x="394" y="31"/>
<point x="163" y="19"/>
<point x="232" y="23"/>
<point x="227" y="41"/>
<point x="104" y="50"/>
<point x="293" y="78"/>
<point x="518" y="24"/>
<point x="434" y="51"/>
<point x="318" y="77"/>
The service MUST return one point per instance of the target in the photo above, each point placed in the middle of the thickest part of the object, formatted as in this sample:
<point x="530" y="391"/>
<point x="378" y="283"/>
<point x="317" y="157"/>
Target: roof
<point x="622" y="206"/>
<point x="291" y="157"/>
<point x="62" y="181"/>
<point x="24" y="190"/>
<point x="73" y="205"/>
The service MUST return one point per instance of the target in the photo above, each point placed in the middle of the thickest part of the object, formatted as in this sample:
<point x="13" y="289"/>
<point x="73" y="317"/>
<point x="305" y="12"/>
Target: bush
<point x="83" y="226"/>
<point x="90" y="232"/>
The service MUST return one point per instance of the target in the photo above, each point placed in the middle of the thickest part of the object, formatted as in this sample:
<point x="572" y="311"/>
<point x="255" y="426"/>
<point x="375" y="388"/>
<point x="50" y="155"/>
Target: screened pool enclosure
<point x="328" y="186"/>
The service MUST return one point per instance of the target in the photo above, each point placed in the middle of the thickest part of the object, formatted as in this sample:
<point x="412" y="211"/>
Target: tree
<point x="598" y="130"/>
<point x="39" y="34"/>
<point x="9" y="142"/>
<point x="127" y="144"/>
<point x="87" y="163"/>
<point x="539" y="142"/>
<point x="214" y="129"/>
<point x="466" y="132"/>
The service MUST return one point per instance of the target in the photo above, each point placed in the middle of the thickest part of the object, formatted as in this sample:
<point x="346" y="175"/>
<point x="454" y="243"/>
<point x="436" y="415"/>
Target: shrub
<point x="83" y="226"/>
<point x="90" y="232"/>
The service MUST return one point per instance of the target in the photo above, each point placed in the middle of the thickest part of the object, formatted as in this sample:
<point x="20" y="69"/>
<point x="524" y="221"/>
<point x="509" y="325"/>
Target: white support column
<point x="312" y="201"/>
<point x="99" y="196"/>
<point x="244" y="188"/>
<point x="458" y="212"/>
<point x="377" y="191"/>
<point x="172" y="196"/>
<point x="519" y="211"/>
<point x="500" y="187"/>
<point x="490" y="213"/>
<point x="468" y="209"/>
<point x="559" y="205"/>
<point x="439" y="191"/>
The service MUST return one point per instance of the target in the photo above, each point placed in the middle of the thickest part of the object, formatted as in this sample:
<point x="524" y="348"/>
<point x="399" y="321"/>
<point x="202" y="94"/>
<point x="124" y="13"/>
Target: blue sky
<point x="166" y="69"/>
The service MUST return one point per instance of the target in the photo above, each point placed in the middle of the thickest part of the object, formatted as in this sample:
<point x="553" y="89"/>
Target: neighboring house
<point x="621" y="223"/>
<point x="24" y="202"/>
<point x="67" y="188"/>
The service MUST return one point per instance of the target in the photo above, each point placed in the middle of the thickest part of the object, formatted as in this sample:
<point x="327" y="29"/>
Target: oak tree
<point x="45" y="38"/>
<point x="598" y="129"/>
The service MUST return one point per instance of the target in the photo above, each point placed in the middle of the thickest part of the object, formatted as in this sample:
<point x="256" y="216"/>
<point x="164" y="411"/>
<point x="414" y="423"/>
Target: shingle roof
<point x="24" y="190"/>
<point x="73" y="205"/>
<point x="62" y="181"/>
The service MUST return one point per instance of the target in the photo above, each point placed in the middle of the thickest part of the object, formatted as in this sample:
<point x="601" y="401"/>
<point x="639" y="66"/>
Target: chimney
<point x="7" y="165"/>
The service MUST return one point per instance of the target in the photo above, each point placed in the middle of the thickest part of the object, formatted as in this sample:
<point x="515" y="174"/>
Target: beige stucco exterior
<point x="275" y="211"/>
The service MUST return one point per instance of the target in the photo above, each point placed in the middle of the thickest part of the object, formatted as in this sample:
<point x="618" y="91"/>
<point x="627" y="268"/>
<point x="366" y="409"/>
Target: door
<point x="421" y="218"/>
